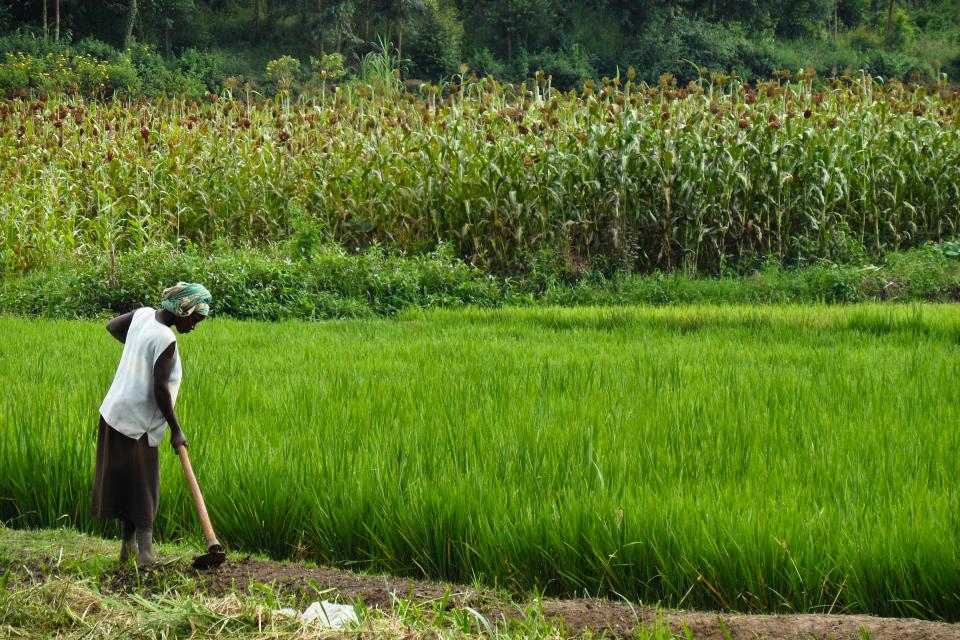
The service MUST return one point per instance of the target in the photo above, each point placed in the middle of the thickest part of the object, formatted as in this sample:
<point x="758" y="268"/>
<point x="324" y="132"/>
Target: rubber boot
<point x="128" y="541"/>
<point x="145" y="553"/>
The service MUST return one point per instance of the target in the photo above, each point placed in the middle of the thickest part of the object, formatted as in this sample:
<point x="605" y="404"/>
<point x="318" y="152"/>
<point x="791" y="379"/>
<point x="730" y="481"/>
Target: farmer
<point x="135" y="414"/>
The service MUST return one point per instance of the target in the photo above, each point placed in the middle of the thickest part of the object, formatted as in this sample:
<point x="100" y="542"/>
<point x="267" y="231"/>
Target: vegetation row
<point x="202" y="45"/>
<point x="619" y="177"/>
<point x="268" y="284"/>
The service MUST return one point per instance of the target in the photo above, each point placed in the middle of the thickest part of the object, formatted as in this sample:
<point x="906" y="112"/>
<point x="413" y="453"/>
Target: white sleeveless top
<point x="130" y="406"/>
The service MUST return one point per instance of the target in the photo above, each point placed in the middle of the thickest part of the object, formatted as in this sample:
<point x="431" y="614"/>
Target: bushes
<point x="864" y="39"/>
<point x="676" y="46"/>
<point x="21" y="42"/>
<point x="570" y="68"/>
<point x="333" y="284"/>
<point x="902" y="32"/>
<point x="680" y="45"/>
<point x="205" y="66"/>
<point x="484" y="63"/>
<point x="435" y="48"/>
<point x="95" y="69"/>
<point x="952" y="67"/>
<point x="250" y="284"/>
<point x="21" y="73"/>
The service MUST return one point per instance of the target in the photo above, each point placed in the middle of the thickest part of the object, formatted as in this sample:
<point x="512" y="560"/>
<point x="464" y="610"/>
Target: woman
<point x="135" y="414"/>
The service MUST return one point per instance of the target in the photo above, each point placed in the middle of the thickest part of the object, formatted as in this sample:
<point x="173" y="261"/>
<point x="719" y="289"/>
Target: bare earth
<point x="615" y="619"/>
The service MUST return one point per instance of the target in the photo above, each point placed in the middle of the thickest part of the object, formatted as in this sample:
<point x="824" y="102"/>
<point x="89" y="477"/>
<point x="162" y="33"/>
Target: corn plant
<point x="713" y="176"/>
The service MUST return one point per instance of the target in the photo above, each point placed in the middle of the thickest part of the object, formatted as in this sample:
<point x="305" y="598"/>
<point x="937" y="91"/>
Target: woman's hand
<point x="177" y="440"/>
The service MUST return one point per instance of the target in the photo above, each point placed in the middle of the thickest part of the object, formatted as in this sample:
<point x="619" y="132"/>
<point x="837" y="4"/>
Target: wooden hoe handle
<point x="197" y="498"/>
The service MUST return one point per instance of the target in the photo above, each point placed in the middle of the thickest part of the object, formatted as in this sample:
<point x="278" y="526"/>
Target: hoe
<point x="214" y="556"/>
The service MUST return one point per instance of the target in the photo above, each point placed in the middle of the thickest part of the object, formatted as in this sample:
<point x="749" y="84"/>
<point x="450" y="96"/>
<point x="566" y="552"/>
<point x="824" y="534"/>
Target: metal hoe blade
<point x="213" y="558"/>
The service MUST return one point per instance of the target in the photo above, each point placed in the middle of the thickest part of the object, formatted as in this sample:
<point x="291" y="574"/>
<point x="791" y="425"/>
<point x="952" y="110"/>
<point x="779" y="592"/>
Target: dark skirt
<point x="126" y="484"/>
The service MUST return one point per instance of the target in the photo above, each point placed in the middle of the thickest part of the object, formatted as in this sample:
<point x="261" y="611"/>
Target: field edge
<point x="42" y="570"/>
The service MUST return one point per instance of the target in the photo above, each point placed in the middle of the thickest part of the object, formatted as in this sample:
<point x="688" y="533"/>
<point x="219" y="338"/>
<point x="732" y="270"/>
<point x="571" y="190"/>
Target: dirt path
<point x="616" y="619"/>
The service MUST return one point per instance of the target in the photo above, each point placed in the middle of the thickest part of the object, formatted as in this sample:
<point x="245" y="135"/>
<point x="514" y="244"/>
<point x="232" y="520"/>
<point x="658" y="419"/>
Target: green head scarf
<point x="185" y="298"/>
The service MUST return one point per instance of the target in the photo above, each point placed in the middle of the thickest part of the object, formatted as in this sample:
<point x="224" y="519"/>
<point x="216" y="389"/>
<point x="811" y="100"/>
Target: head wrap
<point x="185" y="298"/>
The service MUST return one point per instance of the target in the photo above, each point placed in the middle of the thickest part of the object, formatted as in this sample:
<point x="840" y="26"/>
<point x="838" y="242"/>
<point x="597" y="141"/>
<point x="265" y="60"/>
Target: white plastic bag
<point x="326" y="614"/>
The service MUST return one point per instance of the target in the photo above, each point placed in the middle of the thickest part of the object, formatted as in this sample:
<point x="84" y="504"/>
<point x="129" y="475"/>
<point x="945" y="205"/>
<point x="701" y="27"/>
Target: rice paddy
<point x="757" y="459"/>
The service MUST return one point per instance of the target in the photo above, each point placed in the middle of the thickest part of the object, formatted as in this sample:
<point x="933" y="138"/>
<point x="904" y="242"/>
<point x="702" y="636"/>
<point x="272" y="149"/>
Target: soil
<point x="578" y="616"/>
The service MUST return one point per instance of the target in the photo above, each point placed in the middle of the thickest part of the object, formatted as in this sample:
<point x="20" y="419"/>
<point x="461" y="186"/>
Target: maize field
<point x="620" y="177"/>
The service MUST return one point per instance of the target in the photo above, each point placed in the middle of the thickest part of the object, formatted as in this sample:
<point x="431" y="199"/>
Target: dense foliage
<point x="572" y="41"/>
<point x="269" y="285"/>
<point x="710" y="177"/>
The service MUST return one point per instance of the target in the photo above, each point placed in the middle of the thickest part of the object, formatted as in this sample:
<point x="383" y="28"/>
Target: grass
<point x="757" y="459"/>
<point x="61" y="583"/>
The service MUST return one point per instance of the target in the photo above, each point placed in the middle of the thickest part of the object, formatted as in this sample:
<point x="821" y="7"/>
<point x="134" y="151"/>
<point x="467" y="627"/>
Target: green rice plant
<point x="793" y="459"/>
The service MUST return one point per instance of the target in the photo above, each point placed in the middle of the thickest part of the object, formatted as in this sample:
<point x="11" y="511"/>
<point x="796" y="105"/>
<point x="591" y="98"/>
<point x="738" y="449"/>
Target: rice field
<point x="758" y="459"/>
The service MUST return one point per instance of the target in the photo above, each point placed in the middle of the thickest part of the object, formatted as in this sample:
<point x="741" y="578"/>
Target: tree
<point x="753" y="12"/>
<point x="507" y="26"/>
<point x="851" y="13"/>
<point x="332" y="25"/>
<point x="164" y="17"/>
<point x="404" y="12"/>
<point x="131" y="18"/>
<point x="795" y="18"/>
<point x="434" y="47"/>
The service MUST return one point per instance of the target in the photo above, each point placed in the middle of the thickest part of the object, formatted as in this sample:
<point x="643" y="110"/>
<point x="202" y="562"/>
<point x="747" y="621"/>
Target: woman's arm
<point x="119" y="326"/>
<point x="161" y="374"/>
